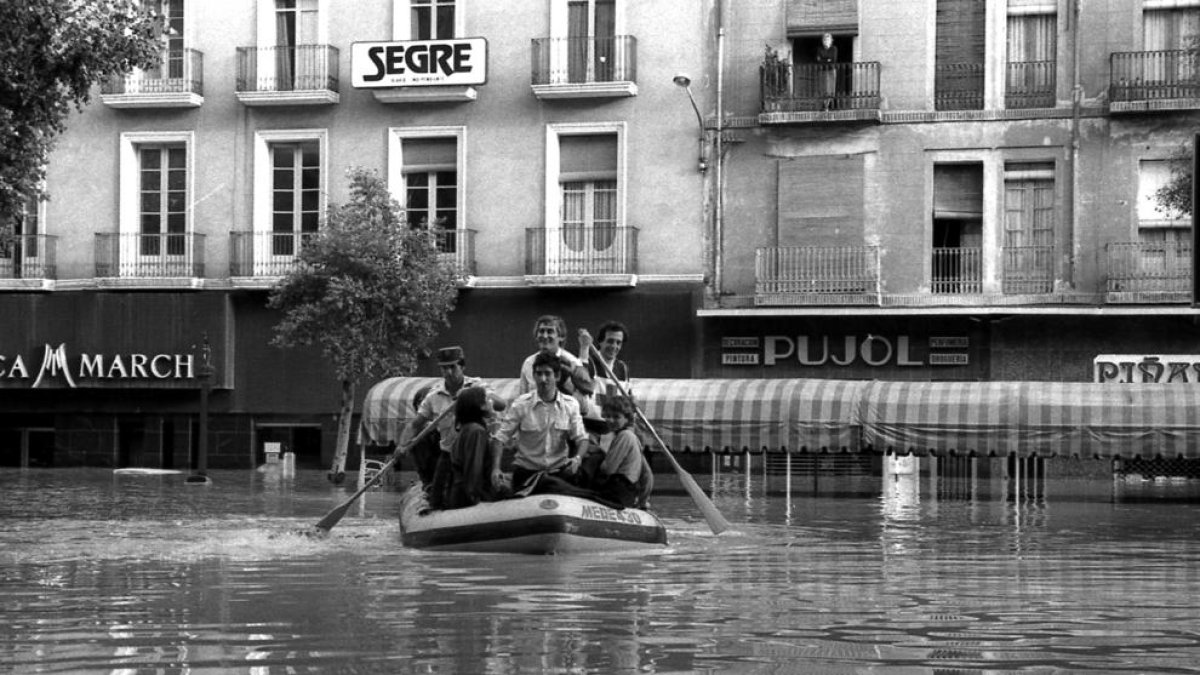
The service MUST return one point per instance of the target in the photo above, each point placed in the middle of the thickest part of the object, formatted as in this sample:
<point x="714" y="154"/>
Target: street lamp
<point x="686" y="82"/>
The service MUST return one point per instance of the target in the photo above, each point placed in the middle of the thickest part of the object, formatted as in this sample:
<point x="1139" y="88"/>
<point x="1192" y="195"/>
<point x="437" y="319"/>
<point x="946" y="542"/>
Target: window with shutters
<point x="1029" y="227"/>
<point x="426" y="176"/>
<point x="588" y="49"/>
<point x="1164" y="237"/>
<point x="959" y="54"/>
<point x="1032" y="60"/>
<point x="1170" y="69"/>
<point x="956" y="262"/>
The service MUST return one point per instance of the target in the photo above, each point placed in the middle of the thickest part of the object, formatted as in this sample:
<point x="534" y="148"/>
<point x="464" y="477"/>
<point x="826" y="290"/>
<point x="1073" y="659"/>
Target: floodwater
<point x="120" y="574"/>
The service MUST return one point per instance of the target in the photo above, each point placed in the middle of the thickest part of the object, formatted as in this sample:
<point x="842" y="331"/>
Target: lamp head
<point x="682" y="80"/>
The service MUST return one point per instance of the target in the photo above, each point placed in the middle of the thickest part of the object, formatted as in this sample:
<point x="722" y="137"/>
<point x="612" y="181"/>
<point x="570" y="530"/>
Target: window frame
<point x="398" y="184"/>
<point x="129" y="206"/>
<point x="262" y="219"/>
<point x="402" y="28"/>
<point x="553" y="199"/>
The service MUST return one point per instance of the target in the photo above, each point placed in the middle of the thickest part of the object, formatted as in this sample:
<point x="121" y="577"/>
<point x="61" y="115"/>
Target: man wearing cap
<point x="452" y="362"/>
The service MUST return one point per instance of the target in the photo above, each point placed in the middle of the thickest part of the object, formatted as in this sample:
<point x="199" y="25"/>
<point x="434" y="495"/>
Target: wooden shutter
<point x="810" y="17"/>
<point x="821" y="201"/>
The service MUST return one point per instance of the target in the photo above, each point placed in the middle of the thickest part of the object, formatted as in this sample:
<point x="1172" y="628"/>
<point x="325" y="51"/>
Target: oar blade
<point x="716" y="521"/>
<point x="333" y="517"/>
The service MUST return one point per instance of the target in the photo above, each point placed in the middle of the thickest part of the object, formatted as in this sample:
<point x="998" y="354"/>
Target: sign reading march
<point x="418" y="63"/>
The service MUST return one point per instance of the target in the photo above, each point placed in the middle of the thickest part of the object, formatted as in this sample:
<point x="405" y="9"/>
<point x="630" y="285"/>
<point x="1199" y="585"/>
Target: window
<point x="1032" y="60"/>
<point x="432" y="19"/>
<point x="1167" y="29"/>
<point x="1029" y="227"/>
<point x="588" y="42"/>
<point x="173" y="65"/>
<point x="1156" y="223"/>
<point x="425" y="176"/>
<point x="956" y="264"/>
<point x="959" y="55"/>
<point x="289" y="194"/>
<point x="585" y="232"/>
<point x="20" y="254"/>
<point x="155" y="214"/>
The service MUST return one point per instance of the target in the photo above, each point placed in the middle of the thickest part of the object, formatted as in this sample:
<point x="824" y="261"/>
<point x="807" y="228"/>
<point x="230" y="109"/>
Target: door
<point x="586" y="240"/>
<point x="591" y="41"/>
<point x="1028" y="236"/>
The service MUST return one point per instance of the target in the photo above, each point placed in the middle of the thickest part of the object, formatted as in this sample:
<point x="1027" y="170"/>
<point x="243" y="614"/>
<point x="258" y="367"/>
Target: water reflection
<point x="120" y="574"/>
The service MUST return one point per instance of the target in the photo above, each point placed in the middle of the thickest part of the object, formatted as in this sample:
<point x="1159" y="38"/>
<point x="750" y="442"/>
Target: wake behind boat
<point x="540" y="524"/>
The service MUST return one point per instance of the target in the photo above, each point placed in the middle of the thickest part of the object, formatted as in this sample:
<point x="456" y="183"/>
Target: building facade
<point x="960" y="190"/>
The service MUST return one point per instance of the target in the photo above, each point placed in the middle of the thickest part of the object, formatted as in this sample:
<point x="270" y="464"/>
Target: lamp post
<point x="200" y="476"/>
<point x="686" y="82"/>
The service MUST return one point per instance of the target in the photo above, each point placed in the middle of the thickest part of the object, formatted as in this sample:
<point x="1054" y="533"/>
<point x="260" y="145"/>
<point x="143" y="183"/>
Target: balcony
<point x="585" y="67"/>
<point x="796" y="93"/>
<point x="177" y="82"/>
<point x="27" y="260"/>
<point x="817" y="275"/>
<point x="1027" y="270"/>
<point x="958" y="86"/>
<point x="581" y="255"/>
<point x="1148" y="272"/>
<point x="1030" y="84"/>
<point x="259" y="259"/>
<point x="956" y="271"/>
<point x="168" y="260"/>
<point x="1161" y="80"/>
<point x="280" y="76"/>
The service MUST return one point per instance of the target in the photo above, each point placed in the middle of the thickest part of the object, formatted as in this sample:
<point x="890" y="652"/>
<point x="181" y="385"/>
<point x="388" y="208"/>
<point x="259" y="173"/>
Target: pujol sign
<point x="418" y="63"/>
<point x="823" y="350"/>
<point x="56" y="364"/>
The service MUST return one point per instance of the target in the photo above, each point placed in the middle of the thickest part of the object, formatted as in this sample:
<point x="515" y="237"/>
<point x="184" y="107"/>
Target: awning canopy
<point x="807" y="415"/>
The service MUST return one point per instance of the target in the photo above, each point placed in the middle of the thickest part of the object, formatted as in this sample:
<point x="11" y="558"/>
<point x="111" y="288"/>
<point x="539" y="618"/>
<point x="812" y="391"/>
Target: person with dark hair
<point x="610" y="338"/>
<point x="619" y="474"/>
<point x="451" y="361"/>
<point x="550" y="333"/>
<point x="546" y="429"/>
<point x="425" y="453"/>
<point x="473" y="452"/>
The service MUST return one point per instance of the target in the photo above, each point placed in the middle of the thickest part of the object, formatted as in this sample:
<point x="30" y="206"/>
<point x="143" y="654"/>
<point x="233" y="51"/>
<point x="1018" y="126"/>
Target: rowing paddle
<point x="716" y="521"/>
<point x="335" y="515"/>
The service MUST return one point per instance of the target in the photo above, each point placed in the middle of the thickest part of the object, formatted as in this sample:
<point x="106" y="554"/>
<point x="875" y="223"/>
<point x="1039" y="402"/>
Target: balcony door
<point x="161" y="249"/>
<point x="295" y="204"/>
<point x="299" y="59"/>
<point x="591" y="35"/>
<point x="585" y="241"/>
<point x="1029" y="223"/>
<point x="1170" y="69"/>
<point x="20" y="257"/>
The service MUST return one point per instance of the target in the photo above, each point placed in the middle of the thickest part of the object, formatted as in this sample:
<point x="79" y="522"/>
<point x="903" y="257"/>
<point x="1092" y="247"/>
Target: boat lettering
<point x="597" y="512"/>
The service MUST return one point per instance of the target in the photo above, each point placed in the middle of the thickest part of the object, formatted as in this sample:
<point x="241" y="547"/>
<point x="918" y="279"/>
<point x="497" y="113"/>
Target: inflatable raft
<point x="540" y="524"/>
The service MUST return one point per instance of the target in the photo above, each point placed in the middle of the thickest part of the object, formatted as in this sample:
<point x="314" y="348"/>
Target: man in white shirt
<point x="550" y="333"/>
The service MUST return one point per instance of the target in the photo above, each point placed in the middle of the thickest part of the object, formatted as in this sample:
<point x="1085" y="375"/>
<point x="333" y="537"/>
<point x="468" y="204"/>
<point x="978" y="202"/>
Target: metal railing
<point x="1030" y="84"/>
<point x="583" y="60"/>
<point x="28" y="256"/>
<point x="958" y="86"/>
<point x="583" y="249"/>
<point x="1155" y="266"/>
<point x="150" y="255"/>
<point x="1027" y="270"/>
<point x="181" y="71"/>
<point x="274" y="254"/>
<point x="817" y="269"/>
<point x="956" y="271"/>
<point x="788" y="87"/>
<point x="1145" y="76"/>
<point x="458" y="249"/>
<point x="283" y="69"/>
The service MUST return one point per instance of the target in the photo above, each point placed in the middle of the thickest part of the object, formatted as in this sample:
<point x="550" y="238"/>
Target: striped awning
<point x="1043" y="419"/>
<point x="806" y="415"/>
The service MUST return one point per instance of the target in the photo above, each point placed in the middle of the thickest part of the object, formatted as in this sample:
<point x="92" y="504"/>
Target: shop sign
<point x="1160" y="368"/>
<point x="871" y="350"/>
<point x="418" y="63"/>
<point x="57" y="364"/>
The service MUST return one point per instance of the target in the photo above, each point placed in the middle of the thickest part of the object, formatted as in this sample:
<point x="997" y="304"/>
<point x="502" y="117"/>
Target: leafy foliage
<point x="369" y="290"/>
<point x="51" y="53"/>
<point x="1176" y="195"/>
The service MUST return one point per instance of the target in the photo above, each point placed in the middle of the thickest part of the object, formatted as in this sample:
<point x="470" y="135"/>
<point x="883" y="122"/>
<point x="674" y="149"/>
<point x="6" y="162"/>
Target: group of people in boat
<point x="571" y="430"/>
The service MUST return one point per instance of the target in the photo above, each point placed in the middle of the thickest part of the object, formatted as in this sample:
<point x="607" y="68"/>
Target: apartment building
<point x="544" y="142"/>
<point x="967" y="193"/>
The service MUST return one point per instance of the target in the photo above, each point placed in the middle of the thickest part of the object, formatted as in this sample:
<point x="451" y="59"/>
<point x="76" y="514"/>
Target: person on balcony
<point x="827" y="56"/>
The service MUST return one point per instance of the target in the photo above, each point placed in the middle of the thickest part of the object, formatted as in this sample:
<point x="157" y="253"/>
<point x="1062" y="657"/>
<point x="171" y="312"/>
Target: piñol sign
<point x="56" y="364"/>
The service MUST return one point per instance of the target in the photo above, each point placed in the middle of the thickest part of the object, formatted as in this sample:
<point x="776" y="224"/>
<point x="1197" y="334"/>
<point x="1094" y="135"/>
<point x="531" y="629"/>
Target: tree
<point x="1176" y="195"/>
<point x="369" y="290"/>
<point x="51" y="54"/>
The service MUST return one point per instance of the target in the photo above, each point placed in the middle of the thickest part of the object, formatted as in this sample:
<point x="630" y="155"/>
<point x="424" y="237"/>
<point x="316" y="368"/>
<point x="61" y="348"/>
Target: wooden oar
<point x="716" y="521"/>
<point x="335" y="515"/>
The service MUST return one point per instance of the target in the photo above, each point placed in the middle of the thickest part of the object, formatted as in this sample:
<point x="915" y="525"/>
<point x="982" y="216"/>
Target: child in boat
<point x="623" y="475"/>
<point x="473" y="453"/>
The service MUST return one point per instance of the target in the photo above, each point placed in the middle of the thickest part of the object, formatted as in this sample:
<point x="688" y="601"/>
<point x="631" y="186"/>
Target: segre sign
<point x="418" y="63"/>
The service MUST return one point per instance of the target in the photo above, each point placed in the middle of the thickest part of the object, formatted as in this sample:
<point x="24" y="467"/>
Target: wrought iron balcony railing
<point x="150" y="255"/>
<point x="581" y="250"/>
<point x="788" y="87"/>
<point x="957" y="271"/>
<point x="287" y="69"/>
<point x="1149" y="267"/>
<point x="838" y="272"/>
<point x="28" y="256"/>
<point x="1148" y="76"/>
<point x="458" y="249"/>
<point x="1030" y="84"/>
<point x="1027" y="270"/>
<point x="584" y="60"/>
<point x="181" y="71"/>
<point x="273" y="254"/>
<point x="958" y="86"/>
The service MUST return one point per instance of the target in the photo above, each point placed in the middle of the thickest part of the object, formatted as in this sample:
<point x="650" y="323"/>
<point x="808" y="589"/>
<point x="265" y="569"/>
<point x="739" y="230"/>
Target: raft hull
<point x="538" y="525"/>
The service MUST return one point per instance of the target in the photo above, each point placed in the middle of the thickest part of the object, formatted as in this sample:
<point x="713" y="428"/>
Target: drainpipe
<point x="719" y="178"/>
<point x="1076" y="105"/>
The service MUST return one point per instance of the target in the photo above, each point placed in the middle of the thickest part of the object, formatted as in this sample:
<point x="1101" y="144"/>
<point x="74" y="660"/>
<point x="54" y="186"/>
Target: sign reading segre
<point x="418" y="63"/>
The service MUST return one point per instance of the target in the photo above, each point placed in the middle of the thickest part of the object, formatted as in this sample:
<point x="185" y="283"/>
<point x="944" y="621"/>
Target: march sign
<point x="418" y="63"/>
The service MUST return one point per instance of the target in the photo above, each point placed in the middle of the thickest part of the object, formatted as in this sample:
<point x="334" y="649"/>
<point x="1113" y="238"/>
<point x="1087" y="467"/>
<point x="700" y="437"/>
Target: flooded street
<point x="143" y="574"/>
